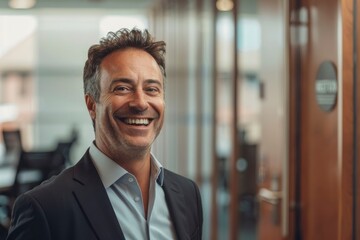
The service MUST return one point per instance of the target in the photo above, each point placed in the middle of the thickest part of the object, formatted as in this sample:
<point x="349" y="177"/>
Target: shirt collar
<point x="157" y="170"/>
<point x="109" y="171"/>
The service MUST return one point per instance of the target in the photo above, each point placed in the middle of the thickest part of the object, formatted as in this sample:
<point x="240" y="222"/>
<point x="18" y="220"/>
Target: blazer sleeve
<point x="28" y="220"/>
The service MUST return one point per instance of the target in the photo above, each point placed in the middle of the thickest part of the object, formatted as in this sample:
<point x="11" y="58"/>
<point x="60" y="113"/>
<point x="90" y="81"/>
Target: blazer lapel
<point x="177" y="207"/>
<point x="94" y="202"/>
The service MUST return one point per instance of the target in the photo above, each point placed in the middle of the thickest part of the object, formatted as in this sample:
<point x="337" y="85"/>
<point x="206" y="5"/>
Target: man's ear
<point x="91" y="106"/>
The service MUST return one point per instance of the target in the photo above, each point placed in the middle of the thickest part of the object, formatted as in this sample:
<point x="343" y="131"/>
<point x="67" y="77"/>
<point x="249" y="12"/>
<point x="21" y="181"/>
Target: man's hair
<point x="122" y="39"/>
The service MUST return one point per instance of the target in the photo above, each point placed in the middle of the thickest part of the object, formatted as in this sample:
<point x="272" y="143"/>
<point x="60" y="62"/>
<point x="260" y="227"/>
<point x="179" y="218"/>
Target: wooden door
<point x="320" y="145"/>
<point x="321" y="139"/>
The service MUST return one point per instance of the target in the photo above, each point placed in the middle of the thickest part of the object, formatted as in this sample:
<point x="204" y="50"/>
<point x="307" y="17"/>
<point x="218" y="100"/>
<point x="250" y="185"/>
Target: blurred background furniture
<point x="29" y="170"/>
<point x="13" y="146"/>
<point x="12" y="140"/>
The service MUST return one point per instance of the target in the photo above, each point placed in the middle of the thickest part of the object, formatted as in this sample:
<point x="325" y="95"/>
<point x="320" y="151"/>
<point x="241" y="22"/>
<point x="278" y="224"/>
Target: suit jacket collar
<point x="94" y="202"/>
<point x="177" y="206"/>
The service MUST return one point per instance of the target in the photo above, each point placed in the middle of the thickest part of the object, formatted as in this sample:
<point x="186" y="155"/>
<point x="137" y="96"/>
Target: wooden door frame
<point x="294" y="124"/>
<point x="347" y="93"/>
<point x="348" y="132"/>
<point x="356" y="109"/>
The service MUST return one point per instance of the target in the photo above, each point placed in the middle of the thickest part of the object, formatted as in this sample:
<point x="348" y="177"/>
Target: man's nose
<point x="138" y="101"/>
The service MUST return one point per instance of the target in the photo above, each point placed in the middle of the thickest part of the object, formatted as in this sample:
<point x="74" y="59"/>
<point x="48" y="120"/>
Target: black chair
<point x="12" y="140"/>
<point x="60" y="159"/>
<point x="33" y="168"/>
<point x="13" y="146"/>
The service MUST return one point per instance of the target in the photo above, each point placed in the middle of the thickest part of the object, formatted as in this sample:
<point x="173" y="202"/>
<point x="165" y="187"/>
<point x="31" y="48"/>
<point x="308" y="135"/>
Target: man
<point x="118" y="190"/>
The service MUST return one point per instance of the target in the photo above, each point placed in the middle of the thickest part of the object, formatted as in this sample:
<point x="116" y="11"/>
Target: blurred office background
<point x="269" y="136"/>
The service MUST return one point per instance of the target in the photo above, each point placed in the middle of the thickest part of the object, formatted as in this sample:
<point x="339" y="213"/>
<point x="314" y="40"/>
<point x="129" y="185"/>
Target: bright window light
<point x="8" y="112"/>
<point x="114" y="23"/>
<point x="224" y="5"/>
<point x="250" y="34"/>
<point x="14" y="29"/>
<point x="22" y="4"/>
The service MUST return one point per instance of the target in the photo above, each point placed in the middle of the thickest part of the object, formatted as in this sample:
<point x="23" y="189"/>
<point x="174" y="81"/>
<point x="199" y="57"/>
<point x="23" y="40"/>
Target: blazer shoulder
<point x="183" y="193"/>
<point x="180" y="183"/>
<point x="168" y="174"/>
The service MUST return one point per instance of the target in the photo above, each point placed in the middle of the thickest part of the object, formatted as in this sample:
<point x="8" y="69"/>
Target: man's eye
<point x="152" y="89"/>
<point x="121" y="89"/>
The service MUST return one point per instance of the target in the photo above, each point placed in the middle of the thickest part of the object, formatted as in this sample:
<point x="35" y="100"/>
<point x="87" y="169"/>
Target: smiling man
<point x="118" y="190"/>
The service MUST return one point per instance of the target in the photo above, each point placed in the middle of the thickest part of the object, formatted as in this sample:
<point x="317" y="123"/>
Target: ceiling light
<point x="22" y="4"/>
<point x="224" y="5"/>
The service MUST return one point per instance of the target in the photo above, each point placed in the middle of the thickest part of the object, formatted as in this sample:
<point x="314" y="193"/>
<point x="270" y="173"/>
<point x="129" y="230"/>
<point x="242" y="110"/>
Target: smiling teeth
<point x="137" y="121"/>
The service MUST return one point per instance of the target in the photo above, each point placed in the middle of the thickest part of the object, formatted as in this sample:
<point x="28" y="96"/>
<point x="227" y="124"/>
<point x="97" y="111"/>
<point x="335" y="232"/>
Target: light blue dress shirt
<point x="125" y="196"/>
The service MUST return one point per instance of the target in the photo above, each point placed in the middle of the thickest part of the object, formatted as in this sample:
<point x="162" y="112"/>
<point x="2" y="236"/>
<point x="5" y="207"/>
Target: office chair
<point x="13" y="146"/>
<point x="12" y="140"/>
<point x="33" y="168"/>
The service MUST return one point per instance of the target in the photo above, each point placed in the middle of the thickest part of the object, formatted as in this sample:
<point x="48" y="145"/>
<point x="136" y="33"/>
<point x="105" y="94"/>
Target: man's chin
<point x="139" y="145"/>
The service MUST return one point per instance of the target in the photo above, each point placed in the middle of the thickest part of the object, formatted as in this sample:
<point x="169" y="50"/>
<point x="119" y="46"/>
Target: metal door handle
<point x="272" y="197"/>
<point x="269" y="196"/>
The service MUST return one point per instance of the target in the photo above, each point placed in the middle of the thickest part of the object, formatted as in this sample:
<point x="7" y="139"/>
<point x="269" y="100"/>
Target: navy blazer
<point x="74" y="205"/>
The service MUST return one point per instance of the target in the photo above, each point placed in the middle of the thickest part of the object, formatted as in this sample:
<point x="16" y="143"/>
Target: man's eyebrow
<point x="153" y="81"/>
<point x="130" y="81"/>
<point x="121" y="80"/>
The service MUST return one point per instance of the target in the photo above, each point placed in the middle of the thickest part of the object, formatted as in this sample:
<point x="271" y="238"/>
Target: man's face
<point x="130" y="111"/>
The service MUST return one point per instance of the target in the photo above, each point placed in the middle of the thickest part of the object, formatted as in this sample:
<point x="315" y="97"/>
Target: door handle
<point x="272" y="197"/>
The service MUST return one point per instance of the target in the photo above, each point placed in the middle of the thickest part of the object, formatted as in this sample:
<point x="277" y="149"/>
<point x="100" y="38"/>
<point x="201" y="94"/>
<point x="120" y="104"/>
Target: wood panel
<point x="320" y="168"/>
<point x="325" y="159"/>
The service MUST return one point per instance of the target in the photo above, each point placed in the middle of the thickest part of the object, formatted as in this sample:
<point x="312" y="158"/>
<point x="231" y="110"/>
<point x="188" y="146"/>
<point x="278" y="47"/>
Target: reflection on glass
<point x="249" y="107"/>
<point x="224" y="113"/>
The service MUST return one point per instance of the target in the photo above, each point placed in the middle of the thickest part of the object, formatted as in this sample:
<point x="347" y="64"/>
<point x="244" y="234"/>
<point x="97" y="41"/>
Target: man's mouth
<point x="137" y="121"/>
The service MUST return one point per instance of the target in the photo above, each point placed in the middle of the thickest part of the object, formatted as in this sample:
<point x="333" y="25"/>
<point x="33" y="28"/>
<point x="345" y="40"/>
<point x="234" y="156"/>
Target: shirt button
<point x="130" y="179"/>
<point x="137" y="199"/>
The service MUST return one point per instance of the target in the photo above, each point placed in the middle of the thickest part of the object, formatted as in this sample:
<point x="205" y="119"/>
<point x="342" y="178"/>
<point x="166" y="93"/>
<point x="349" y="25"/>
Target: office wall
<point x="63" y="40"/>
